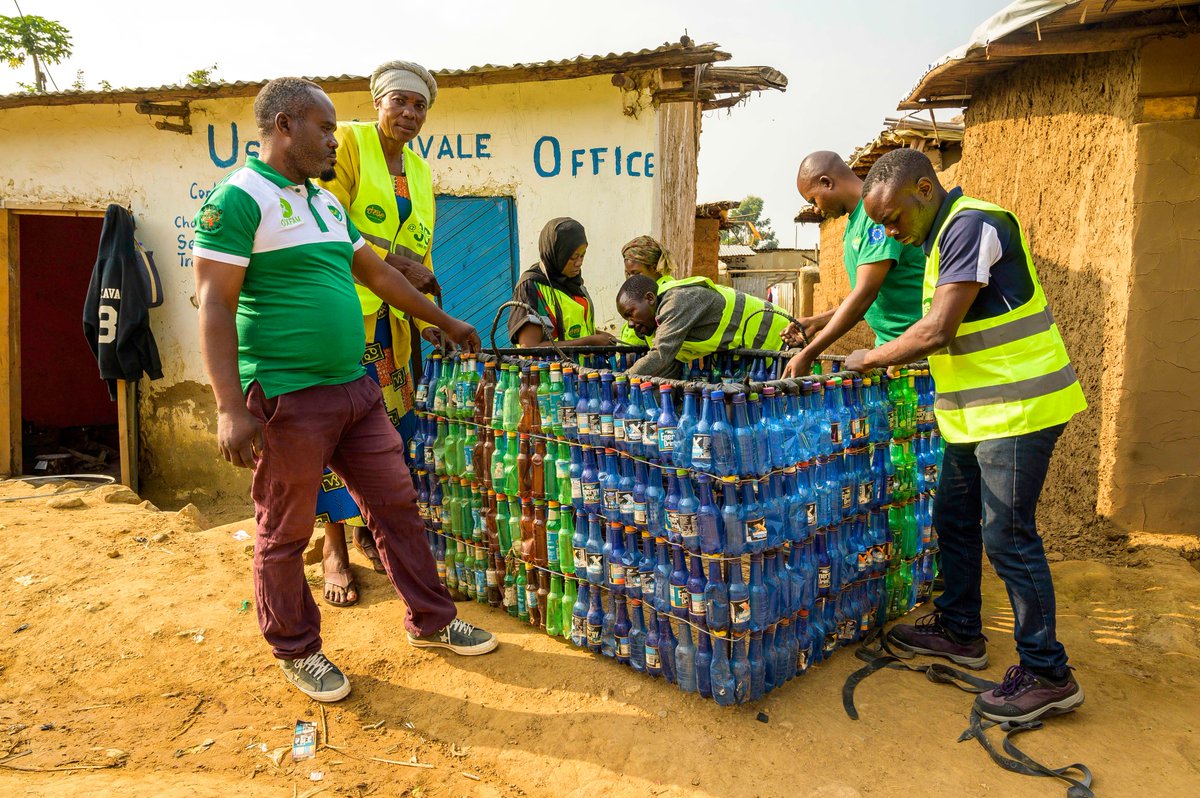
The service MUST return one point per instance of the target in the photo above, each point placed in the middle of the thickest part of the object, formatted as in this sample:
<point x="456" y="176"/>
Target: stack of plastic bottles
<point x="723" y="535"/>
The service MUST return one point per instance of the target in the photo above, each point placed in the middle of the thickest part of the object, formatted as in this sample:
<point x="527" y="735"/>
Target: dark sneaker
<point x="316" y="677"/>
<point x="928" y="636"/>
<point x="458" y="636"/>
<point x="1024" y="696"/>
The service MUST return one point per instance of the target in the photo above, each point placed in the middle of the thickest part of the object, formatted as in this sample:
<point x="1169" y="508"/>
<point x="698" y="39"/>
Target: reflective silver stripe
<point x="765" y="320"/>
<point x="735" y="321"/>
<point x="1006" y="333"/>
<point x="1008" y="392"/>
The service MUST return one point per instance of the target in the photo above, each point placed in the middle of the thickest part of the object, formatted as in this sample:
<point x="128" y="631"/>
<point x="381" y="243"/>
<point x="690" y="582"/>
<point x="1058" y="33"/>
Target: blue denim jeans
<point x="986" y="501"/>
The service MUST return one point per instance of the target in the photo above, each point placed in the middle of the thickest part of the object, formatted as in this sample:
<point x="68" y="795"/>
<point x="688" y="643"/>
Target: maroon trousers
<point x="346" y="428"/>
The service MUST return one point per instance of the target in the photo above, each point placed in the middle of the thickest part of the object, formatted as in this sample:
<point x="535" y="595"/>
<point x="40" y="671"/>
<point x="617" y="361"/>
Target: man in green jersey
<point x="885" y="275"/>
<point x="282" y="339"/>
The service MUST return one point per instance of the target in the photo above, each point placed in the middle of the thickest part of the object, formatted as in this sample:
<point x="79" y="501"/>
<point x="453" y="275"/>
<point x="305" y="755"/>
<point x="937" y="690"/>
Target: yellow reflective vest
<point x="1006" y="375"/>
<point x="747" y="322"/>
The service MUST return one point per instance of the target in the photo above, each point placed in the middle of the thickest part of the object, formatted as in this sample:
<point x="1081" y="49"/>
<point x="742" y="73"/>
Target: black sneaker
<point x="458" y="636"/>
<point x="316" y="677"/>
<point x="1024" y="696"/>
<point x="928" y="636"/>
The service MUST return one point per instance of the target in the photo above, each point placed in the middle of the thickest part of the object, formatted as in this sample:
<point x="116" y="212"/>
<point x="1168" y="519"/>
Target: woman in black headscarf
<point x="554" y="289"/>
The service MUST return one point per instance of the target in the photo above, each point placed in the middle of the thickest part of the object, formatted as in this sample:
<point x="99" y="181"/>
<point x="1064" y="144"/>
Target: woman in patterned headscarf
<point x="644" y="255"/>
<point x="387" y="190"/>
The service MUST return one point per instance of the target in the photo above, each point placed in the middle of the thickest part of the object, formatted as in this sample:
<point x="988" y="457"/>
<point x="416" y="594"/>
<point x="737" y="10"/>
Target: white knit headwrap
<point x="403" y="76"/>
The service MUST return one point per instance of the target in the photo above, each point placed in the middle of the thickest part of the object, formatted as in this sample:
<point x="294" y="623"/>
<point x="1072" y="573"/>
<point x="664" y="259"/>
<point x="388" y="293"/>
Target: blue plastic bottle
<point x="595" y="551"/>
<point x="574" y="474"/>
<point x="579" y="550"/>
<point x="620" y="406"/>
<point x="637" y="637"/>
<point x="579" y="613"/>
<point x="739" y="601"/>
<point x="756" y="595"/>
<point x="621" y="630"/>
<point x="615" y="558"/>
<point x="646" y="572"/>
<point x="668" y="425"/>
<point x="716" y="600"/>
<point x="743" y="438"/>
<point x="721" y="674"/>
<point x="708" y="519"/>
<point x="685" y="432"/>
<point x="666" y="647"/>
<point x="776" y="434"/>
<point x="685" y="660"/>
<point x="610" y="487"/>
<point x="582" y="419"/>
<point x="590" y="483"/>
<point x="678" y="580"/>
<point x="671" y="506"/>
<point x="753" y="522"/>
<point x="704" y="656"/>
<point x="640" y="509"/>
<point x="724" y="454"/>
<point x="757" y="667"/>
<point x="605" y="406"/>
<point x="625" y="490"/>
<point x="696" y="585"/>
<point x="608" y="635"/>
<point x="595" y="621"/>
<point x="653" y="660"/>
<point x="662" y="577"/>
<point x="731" y="520"/>
<point x="635" y="420"/>
<point x="774" y="507"/>
<point x="824" y="565"/>
<point x="762" y="434"/>
<point x="656" y="516"/>
<point x="685" y="530"/>
<point x="701" y="456"/>
<point x="740" y="666"/>
<point x="630" y="561"/>
<point x="804" y="645"/>
<point x="595" y="426"/>
<point x="651" y="412"/>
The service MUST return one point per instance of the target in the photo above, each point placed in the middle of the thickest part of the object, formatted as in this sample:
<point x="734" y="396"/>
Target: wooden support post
<point x="10" y="345"/>
<point x="127" y="425"/>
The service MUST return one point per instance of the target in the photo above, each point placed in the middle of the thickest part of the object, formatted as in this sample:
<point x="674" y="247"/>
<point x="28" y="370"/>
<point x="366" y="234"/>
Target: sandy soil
<point x="137" y="652"/>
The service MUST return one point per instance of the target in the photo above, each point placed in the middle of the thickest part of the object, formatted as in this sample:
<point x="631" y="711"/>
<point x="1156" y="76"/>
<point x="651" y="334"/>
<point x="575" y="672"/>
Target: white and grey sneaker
<point x="458" y="636"/>
<point x="316" y="677"/>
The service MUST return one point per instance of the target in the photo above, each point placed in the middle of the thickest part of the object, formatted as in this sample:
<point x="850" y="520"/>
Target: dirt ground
<point x="123" y="641"/>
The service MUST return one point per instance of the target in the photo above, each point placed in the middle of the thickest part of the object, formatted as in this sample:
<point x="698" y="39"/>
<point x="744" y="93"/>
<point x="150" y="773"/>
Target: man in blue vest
<point x="1006" y="389"/>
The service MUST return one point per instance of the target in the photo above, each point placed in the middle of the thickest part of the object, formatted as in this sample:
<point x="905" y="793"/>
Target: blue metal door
<point x="475" y="257"/>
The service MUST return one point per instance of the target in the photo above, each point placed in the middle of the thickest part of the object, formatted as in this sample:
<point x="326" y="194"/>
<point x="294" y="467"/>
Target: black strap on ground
<point x="1023" y="763"/>
<point x="878" y="655"/>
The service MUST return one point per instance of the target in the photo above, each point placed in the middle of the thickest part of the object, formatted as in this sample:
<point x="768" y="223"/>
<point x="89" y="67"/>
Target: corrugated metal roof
<point x="734" y="251"/>
<point x="1028" y="28"/>
<point x="677" y="54"/>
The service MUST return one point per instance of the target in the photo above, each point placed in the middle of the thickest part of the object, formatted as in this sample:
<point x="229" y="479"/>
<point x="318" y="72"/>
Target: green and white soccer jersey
<point x="299" y="321"/>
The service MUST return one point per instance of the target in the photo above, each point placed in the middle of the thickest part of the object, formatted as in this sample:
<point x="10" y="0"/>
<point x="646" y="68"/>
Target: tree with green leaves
<point x="750" y="228"/>
<point x="35" y="39"/>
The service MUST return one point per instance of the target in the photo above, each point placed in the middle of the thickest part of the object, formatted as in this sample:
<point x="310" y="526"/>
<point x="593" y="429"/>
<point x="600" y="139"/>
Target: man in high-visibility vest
<point x="1005" y="390"/>
<point x="694" y="317"/>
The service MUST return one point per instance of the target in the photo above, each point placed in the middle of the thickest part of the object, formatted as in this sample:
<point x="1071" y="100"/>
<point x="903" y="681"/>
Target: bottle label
<point x="685" y="525"/>
<point x="578" y="630"/>
<point x="623" y="647"/>
<point x="639" y="513"/>
<point x="616" y="574"/>
<point x="633" y="431"/>
<point x="652" y="657"/>
<point x="756" y="530"/>
<point x="423" y="510"/>
<point x="650" y="433"/>
<point x="811" y="513"/>
<point x="802" y="659"/>
<point x="619" y="428"/>
<point x="633" y="578"/>
<point x="576" y="489"/>
<point x="441" y="571"/>
<point x="594" y="425"/>
<point x="702" y="447"/>
<point x="582" y="418"/>
<point x="567" y="416"/>
<point x="593" y="634"/>
<point x="866" y="492"/>
<point x="830" y="641"/>
<point x="931" y="475"/>
<point x="647" y="583"/>
<point x="863" y="558"/>
<point x="591" y="492"/>
<point x="606" y="425"/>
<point x="677" y="598"/>
<point x="595" y="566"/>
<point x="697" y="607"/>
<point x="481" y="585"/>
<point x="878" y="557"/>
<point x="422" y="393"/>
<point x="510" y="596"/>
<point x="824" y="577"/>
<point x="531" y="601"/>
<point x="612" y="501"/>
<point x="626" y="502"/>
<point x="835" y="433"/>
<point x="492" y="578"/>
<point x="666" y="439"/>
<point x="580" y="559"/>
<point x="739" y="611"/>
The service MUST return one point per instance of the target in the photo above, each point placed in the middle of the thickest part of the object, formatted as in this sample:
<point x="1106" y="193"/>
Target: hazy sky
<point x="848" y="63"/>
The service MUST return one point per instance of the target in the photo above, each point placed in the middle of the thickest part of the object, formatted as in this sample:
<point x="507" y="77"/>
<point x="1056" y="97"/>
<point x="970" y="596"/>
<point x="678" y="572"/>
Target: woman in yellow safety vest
<point x="387" y="190"/>
<point x="644" y="255"/>
<point x="554" y="293"/>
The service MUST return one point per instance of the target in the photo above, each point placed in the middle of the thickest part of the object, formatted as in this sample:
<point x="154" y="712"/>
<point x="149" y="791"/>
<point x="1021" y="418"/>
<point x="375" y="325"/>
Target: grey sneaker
<point x="316" y="677"/>
<point x="1024" y="696"/>
<point x="458" y="636"/>
<point x="928" y="636"/>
